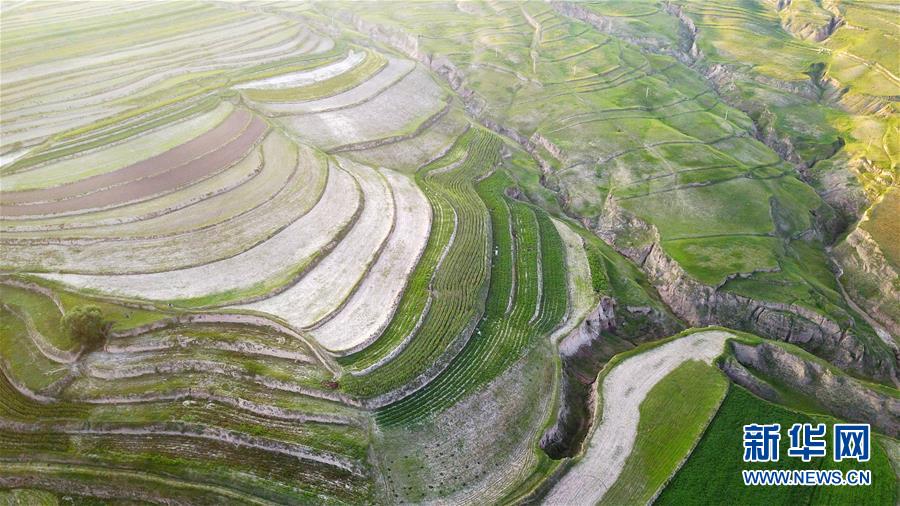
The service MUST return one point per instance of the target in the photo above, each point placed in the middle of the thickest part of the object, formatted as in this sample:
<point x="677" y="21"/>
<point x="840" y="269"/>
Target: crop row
<point x="534" y="269"/>
<point x="414" y="300"/>
<point x="251" y="471"/>
<point x="457" y="286"/>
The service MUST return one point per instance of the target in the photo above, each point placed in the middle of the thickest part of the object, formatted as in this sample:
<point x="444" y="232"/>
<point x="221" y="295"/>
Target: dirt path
<point x="623" y="390"/>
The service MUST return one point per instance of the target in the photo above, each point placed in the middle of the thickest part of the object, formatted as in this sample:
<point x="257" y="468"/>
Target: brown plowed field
<point x="233" y="125"/>
<point x="160" y="180"/>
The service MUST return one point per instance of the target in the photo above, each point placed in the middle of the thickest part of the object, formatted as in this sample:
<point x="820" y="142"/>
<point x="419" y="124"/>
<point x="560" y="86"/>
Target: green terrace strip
<point x="414" y="302"/>
<point x="714" y="467"/>
<point x="458" y="286"/>
<point x="371" y="65"/>
<point x="673" y="417"/>
<point x="41" y="310"/>
<point x="526" y="300"/>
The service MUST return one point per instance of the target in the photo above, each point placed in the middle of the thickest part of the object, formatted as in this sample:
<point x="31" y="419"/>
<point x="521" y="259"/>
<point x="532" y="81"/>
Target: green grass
<point x="20" y="356"/>
<point x="43" y="312"/>
<point x="712" y="259"/>
<point x="673" y="416"/>
<point x="29" y="497"/>
<point x="712" y="475"/>
<point x="456" y="288"/>
<point x="532" y="273"/>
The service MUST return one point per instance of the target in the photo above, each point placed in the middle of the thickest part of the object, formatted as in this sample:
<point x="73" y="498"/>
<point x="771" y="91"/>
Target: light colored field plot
<point x="395" y="70"/>
<point x="259" y="223"/>
<point x="389" y="113"/>
<point x="108" y="160"/>
<point x="365" y="314"/>
<point x="623" y="390"/>
<point x="674" y="415"/>
<point x="408" y="155"/>
<point x="155" y="178"/>
<point x="307" y="77"/>
<point x="326" y="87"/>
<point x="325" y="288"/>
<point x="295" y="246"/>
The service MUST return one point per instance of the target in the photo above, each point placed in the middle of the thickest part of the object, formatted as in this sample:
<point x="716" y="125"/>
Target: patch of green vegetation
<point x="673" y="416"/>
<point x="21" y="358"/>
<point x="122" y="317"/>
<point x="457" y="287"/>
<point x="86" y="325"/>
<point x="526" y="299"/>
<point x="738" y="206"/>
<point x="712" y="474"/>
<point x="43" y="312"/>
<point x="28" y="497"/>
<point x="711" y="260"/>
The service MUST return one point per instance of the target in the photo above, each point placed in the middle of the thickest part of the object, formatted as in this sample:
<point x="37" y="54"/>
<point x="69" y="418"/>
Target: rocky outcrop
<point x="583" y="354"/>
<point x="843" y="396"/>
<point x="703" y="305"/>
<point x="612" y="25"/>
<point x="606" y="331"/>
<point x="801" y="27"/>
<point x="869" y="278"/>
<point x="689" y="28"/>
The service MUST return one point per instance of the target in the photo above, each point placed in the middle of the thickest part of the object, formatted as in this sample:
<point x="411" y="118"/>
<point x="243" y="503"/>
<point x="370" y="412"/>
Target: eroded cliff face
<point x="803" y="28"/>
<point x="607" y="330"/>
<point x="870" y="279"/>
<point x="583" y="353"/>
<point x="702" y="305"/>
<point x="842" y="395"/>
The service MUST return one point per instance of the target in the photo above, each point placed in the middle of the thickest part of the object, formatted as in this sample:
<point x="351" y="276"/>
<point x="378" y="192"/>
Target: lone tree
<point x="87" y="325"/>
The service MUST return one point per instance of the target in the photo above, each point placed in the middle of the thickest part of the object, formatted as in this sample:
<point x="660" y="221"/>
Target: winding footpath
<point x="623" y="390"/>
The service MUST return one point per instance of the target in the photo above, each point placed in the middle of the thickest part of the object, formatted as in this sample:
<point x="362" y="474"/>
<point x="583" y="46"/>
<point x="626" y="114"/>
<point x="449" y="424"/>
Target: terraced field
<point x="441" y="252"/>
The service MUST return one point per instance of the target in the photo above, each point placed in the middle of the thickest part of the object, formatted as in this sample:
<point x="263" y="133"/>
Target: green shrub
<point x="87" y="325"/>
